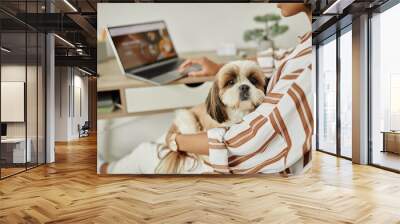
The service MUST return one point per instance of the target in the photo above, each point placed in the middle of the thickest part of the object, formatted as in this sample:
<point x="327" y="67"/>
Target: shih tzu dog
<point x="239" y="87"/>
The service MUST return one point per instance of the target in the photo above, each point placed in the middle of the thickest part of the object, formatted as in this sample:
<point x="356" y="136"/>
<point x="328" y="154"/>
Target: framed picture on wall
<point x="12" y="101"/>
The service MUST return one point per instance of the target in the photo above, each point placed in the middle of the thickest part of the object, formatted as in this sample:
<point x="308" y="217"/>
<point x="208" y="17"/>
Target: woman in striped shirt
<point x="275" y="138"/>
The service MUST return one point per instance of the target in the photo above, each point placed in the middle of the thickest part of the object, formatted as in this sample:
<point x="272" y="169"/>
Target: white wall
<point x="66" y="121"/>
<point x="61" y="103"/>
<point x="201" y="26"/>
<point x="16" y="73"/>
<point x="34" y="124"/>
<point x="80" y="83"/>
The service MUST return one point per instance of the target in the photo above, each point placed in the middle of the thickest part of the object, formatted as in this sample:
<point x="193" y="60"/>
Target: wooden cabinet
<point x="391" y="142"/>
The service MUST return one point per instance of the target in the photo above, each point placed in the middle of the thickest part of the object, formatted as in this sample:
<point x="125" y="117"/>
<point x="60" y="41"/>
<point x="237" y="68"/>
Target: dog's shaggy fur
<point x="238" y="89"/>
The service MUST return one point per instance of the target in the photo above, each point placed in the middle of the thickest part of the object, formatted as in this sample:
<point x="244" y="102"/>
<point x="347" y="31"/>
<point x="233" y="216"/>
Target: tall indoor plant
<point x="264" y="36"/>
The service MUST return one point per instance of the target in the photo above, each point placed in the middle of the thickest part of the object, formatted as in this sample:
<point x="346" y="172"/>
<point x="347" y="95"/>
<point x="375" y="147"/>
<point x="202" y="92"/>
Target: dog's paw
<point x="186" y="122"/>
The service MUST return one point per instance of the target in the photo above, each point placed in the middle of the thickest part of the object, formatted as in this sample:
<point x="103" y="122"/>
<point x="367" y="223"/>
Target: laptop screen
<point x="142" y="44"/>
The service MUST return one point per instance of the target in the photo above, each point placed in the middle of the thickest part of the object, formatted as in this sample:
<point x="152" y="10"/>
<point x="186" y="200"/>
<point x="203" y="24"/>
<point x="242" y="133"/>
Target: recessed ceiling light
<point x="338" y="6"/>
<point x="5" y="50"/>
<point x="64" y="40"/>
<point x="70" y="5"/>
<point x="84" y="71"/>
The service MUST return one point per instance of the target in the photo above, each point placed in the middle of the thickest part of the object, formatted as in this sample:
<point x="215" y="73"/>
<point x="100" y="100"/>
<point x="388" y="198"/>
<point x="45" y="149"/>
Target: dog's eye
<point x="253" y="80"/>
<point x="230" y="82"/>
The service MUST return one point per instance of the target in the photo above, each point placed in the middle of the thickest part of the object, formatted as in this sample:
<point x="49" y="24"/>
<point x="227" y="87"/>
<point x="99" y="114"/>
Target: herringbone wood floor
<point x="69" y="191"/>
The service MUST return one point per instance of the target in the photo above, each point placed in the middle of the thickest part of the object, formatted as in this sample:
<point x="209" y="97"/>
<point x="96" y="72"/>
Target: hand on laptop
<point x="208" y="67"/>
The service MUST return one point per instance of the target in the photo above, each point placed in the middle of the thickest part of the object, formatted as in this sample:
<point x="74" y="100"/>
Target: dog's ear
<point x="215" y="107"/>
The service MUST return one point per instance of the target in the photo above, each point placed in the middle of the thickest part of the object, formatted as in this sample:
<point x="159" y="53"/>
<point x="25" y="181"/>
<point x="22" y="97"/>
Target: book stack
<point x="105" y="105"/>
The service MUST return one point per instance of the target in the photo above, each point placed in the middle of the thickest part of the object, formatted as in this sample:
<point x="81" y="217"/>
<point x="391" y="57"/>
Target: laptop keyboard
<point x="153" y="72"/>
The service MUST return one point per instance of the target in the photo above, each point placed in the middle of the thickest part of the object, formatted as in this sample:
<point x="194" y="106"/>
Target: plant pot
<point x="265" y="45"/>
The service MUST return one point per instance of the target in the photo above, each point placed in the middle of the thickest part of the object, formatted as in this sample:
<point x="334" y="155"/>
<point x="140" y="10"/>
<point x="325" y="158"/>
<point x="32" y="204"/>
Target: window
<point x="327" y="97"/>
<point x="334" y="94"/>
<point x="385" y="89"/>
<point x="346" y="75"/>
<point x="22" y="77"/>
<point x="394" y="102"/>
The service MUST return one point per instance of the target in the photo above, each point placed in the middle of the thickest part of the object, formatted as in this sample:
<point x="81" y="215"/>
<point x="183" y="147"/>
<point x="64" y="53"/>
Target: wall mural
<point x="241" y="106"/>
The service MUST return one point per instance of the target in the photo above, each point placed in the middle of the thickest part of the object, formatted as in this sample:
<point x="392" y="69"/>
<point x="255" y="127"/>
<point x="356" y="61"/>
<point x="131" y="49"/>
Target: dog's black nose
<point x="244" y="92"/>
<point x="244" y="88"/>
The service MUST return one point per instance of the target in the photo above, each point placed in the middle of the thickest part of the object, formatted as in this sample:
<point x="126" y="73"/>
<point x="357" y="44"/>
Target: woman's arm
<point x="257" y="130"/>
<point x="194" y="143"/>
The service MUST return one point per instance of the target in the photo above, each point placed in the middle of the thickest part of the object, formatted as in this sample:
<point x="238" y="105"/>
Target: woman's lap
<point x="145" y="157"/>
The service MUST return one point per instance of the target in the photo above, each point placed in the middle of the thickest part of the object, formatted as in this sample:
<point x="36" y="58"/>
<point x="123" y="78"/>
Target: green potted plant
<point x="264" y="36"/>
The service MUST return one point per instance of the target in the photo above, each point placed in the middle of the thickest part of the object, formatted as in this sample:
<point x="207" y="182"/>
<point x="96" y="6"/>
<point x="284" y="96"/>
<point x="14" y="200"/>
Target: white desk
<point x="18" y="150"/>
<point x="137" y="97"/>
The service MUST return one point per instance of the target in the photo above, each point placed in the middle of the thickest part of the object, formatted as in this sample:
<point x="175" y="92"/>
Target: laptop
<point x="145" y="51"/>
<point x="3" y="131"/>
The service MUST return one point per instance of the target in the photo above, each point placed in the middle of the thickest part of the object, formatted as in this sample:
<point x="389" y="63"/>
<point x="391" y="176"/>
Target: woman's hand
<point x="208" y="67"/>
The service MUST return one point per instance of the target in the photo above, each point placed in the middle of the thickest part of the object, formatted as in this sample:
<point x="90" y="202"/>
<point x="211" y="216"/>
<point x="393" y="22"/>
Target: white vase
<point x="264" y="45"/>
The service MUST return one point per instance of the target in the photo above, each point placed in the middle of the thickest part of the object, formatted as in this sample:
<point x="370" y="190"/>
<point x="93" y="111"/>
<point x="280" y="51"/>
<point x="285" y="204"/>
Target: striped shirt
<point x="276" y="137"/>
